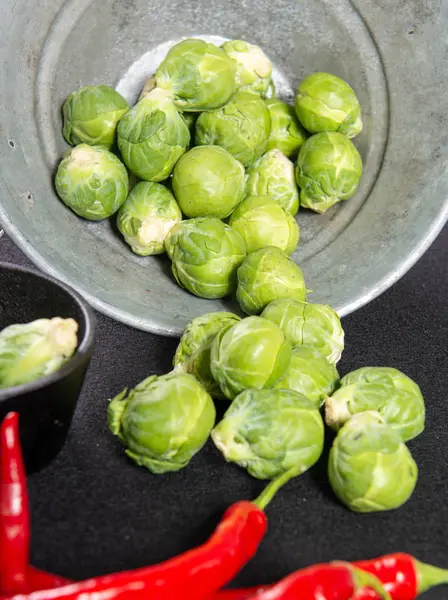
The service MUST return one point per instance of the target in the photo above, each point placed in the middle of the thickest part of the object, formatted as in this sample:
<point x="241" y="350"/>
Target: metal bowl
<point x="393" y="55"/>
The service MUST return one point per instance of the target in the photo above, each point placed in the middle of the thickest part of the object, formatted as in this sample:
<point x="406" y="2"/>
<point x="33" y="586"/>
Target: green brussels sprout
<point x="273" y="175"/>
<point x="91" y="115"/>
<point x="325" y="102"/>
<point x="152" y="136"/>
<point x="253" y="353"/>
<point x="328" y="170"/>
<point x="208" y="182"/>
<point x="370" y="468"/>
<point x="241" y="127"/>
<point x="387" y="391"/>
<point x="163" y="422"/>
<point x="309" y="374"/>
<point x="205" y="255"/>
<point x="287" y="135"/>
<point x="200" y="76"/>
<point x="253" y="69"/>
<point x="147" y="216"/>
<point x="317" y="326"/>
<point x="92" y="182"/>
<point x="193" y="352"/>
<point x="261" y="221"/>
<point x="271" y="432"/>
<point x="32" y="350"/>
<point x="266" y="275"/>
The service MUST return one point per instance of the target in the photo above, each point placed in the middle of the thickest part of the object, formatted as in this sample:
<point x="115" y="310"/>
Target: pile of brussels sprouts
<point x="277" y="371"/>
<point x="209" y="149"/>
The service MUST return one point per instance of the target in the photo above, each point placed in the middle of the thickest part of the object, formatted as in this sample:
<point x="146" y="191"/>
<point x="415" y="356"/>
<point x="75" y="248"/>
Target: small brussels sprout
<point x="253" y="69"/>
<point x="370" y="468"/>
<point x="266" y="275"/>
<point x="325" y="102"/>
<point x="91" y="115"/>
<point x="193" y="352"/>
<point x="152" y="136"/>
<point x="205" y="255"/>
<point x="147" y="216"/>
<point x="200" y="76"/>
<point x="273" y="175"/>
<point x="328" y="170"/>
<point x="309" y="374"/>
<point x="253" y="353"/>
<point x="31" y="350"/>
<point x="387" y="391"/>
<point x="271" y="432"/>
<point x="92" y="182"/>
<point x="241" y="127"/>
<point x="261" y="221"/>
<point x="287" y="135"/>
<point x="163" y="422"/>
<point x="317" y="326"/>
<point x="208" y="182"/>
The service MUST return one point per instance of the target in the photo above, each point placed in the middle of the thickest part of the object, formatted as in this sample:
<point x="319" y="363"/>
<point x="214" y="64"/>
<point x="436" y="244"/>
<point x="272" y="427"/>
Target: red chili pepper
<point x="41" y="580"/>
<point x="240" y="594"/>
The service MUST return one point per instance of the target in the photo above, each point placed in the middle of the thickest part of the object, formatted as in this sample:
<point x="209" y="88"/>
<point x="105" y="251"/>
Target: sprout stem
<point x="272" y="488"/>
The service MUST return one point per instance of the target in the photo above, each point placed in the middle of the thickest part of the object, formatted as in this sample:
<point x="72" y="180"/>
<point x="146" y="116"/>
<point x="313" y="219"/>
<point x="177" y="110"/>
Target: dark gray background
<point x="94" y="511"/>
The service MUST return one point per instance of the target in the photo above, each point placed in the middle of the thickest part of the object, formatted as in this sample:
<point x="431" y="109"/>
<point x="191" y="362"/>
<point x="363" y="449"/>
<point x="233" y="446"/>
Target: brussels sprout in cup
<point x="198" y="75"/>
<point x="163" y="422"/>
<point x="147" y="216"/>
<point x="253" y="69"/>
<point x="208" y="182"/>
<point x="325" y="102"/>
<point x="287" y="134"/>
<point x="91" y="115"/>
<point x="92" y="182"/>
<point x="261" y="221"/>
<point x="328" y="170"/>
<point x="241" y="127"/>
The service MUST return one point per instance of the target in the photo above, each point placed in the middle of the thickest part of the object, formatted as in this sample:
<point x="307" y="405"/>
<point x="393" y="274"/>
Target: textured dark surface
<point x="94" y="511"/>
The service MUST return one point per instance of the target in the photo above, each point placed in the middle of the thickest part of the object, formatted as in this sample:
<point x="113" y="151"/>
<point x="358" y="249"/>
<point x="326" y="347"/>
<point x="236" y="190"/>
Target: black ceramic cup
<point x="45" y="406"/>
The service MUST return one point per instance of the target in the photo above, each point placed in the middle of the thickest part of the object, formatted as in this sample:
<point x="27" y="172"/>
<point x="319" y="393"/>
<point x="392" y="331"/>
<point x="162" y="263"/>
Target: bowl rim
<point x="85" y="346"/>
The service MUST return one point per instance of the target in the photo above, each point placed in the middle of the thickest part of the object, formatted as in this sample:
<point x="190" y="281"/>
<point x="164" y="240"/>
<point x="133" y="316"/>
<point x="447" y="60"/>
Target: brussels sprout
<point x="163" y="422"/>
<point x="270" y="432"/>
<point x="325" y="102"/>
<point x="208" y="182"/>
<point x="273" y="175"/>
<point x="193" y="352"/>
<point x="206" y="254"/>
<point x="30" y="351"/>
<point x="199" y="76"/>
<point x="309" y="374"/>
<point x="261" y="221"/>
<point x="253" y="69"/>
<point x="152" y="136"/>
<point x="370" y="468"/>
<point x="253" y="353"/>
<point x="328" y="170"/>
<point x="315" y="325"/>
<point x="387" y="391"/>
<point x="287" y="135"/>
<point x="147" y="216"/>
<point x="92" y="182"/>
<point x="91" y="115"/>
<point x="242" y="127"/>
<point x="266" y="275"/>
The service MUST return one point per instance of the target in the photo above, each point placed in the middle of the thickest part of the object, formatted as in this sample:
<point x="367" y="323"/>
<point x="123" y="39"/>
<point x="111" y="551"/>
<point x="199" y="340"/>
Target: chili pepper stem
<point x="429" y="576"/>
<point x="272" y="488"/>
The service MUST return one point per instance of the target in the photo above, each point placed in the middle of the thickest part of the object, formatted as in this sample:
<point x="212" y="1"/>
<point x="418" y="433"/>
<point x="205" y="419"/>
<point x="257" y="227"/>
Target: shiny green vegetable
<point x="92" y="182"/>
<point x="266" y="275"/>
<point x="270" y="433"/>
<point x="32" y="350"/>
<point x="328" y="170"/>
<point x="163" y="422"/>
<point x="287" y="134"/>
<point x="253" y="69"/>
<point x="391" y="393"/>
<point x="325" y="102"/>
<point x="253" y="353"/>
<point x="370" y="468"/>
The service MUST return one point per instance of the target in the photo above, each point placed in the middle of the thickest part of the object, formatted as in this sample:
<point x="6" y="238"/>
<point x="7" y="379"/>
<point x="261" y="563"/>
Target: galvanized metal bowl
<point x="391" y="53"/>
